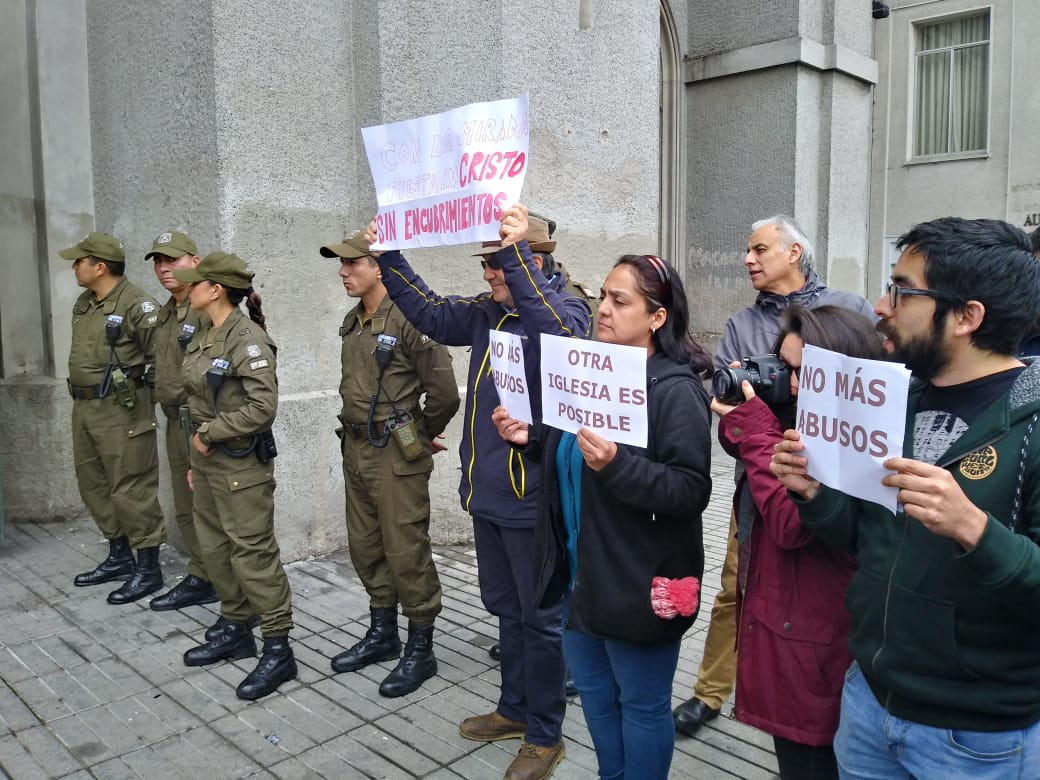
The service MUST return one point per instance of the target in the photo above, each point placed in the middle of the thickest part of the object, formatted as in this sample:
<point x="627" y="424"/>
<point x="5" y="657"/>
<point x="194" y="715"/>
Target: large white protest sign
<point x="507" y="369"/>
<point x="446" y="178"/>
<point x="589" y="384"/>
<point x="851" y="414"/>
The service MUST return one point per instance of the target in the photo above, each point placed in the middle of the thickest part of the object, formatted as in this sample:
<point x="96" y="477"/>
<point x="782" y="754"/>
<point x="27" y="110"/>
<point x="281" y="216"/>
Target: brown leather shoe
<point x="491" y="727"/>
<point x="534" y="762"/>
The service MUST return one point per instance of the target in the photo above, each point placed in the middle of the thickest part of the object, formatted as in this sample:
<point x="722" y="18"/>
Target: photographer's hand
<point x="722" y="409"/>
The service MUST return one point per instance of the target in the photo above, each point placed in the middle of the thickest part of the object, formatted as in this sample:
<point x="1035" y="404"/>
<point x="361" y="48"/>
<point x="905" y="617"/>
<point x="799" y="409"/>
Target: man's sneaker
<point x="534" y="762"/>
<point x="491" y="727"/>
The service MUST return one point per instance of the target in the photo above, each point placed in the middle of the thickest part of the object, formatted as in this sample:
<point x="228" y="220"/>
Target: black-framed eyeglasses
<point x="894" y="291"/>
<point x="490" y="261"/>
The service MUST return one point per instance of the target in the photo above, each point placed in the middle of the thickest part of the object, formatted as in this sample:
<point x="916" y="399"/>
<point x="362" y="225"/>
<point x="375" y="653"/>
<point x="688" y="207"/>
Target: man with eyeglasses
<point x="946" y="679"/>
<point x="499" y="488"/>
<point x="779" y="263"/>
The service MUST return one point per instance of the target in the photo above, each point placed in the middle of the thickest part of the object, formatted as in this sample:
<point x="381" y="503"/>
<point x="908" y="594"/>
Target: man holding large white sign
<point x="447" y="178"/>
<point x="943" y="604"/>
<point x="499" y="488"/>
<point x="850" y="415"/>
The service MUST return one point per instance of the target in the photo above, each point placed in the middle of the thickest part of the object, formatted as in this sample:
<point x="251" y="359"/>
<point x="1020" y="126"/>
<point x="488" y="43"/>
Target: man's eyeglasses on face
<point x="894" y="291"/>
<point x="490" y="261"/>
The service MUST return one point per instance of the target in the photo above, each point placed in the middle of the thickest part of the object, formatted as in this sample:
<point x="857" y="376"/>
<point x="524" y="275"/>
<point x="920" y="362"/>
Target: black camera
<point x="769" y="376"/>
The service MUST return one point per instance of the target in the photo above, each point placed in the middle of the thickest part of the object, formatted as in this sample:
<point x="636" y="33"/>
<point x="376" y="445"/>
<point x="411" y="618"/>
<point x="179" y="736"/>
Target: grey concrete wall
<point x="772" y="133"/>
<point x="244" y="131"/>
<point x="46" y="203"/>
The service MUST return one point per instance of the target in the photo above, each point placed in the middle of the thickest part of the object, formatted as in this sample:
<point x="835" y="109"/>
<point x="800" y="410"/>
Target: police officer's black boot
<point x="277" y="665"/>
<point x="233" y="642"/>
<point x="146" y="579"/>
<point x="381" y="643"/>
<point x="119" y="565"/>
<point x="417" y="663"/>
<point x="188" y="592"/>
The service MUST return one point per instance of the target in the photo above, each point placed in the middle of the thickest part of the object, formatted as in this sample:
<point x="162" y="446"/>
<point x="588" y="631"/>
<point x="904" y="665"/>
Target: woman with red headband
<point x="619" y="527"/>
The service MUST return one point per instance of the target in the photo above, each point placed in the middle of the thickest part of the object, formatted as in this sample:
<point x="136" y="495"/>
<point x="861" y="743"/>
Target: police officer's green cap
<point x="350" y="247"/>
<point x="172" y="244"/>
<point x="219" y="268"/>
<point x="103" y="246"/>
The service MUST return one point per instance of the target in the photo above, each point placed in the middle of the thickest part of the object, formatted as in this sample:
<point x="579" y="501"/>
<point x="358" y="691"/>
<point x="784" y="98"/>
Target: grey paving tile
<point x="196" y="700"/>
<point x="328" y="764"/>
<point x="367" y="761"/>
<point x="422" y="731"/>
<point x="290" y="738"/>
<point x="41" y="700"/>
<point x="394" y="748"/>
<point x="81" y="740"/>
<point x="224" y="756"/>
<point x="14" y="715"/>
<point x="48" y="751"/>
<point x="17" y="762"/>
<point x="317" y="716"/>
<point x="264" y="748"/>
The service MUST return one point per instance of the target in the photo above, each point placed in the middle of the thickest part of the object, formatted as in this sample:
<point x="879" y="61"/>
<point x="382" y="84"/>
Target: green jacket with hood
<point x="944" y="637"/>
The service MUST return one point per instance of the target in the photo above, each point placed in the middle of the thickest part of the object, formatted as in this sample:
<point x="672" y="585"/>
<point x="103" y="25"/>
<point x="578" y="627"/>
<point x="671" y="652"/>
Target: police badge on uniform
<point x="253" y="351"/>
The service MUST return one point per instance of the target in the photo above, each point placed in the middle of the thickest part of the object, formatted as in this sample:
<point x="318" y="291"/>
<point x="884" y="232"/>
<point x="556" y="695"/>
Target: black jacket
<point x="640" y="515"/>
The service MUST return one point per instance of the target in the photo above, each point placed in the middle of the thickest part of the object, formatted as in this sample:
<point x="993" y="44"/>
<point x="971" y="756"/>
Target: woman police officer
<point x="229" y="376"/>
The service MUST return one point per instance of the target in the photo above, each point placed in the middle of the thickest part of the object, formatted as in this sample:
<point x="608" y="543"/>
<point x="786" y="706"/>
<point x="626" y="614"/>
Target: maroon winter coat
<point x="792" y="630"/>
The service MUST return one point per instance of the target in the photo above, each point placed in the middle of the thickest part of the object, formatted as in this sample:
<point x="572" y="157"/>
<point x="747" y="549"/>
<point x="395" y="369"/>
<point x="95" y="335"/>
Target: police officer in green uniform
<point x="232" y="395"/>
<point x="113" y="416"/>
<point x="176" y="325"/>
<point x="388" y="444"/>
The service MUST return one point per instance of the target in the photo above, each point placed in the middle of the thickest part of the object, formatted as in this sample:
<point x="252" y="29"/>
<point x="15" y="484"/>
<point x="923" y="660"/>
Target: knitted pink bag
<point x="670" y="598"/>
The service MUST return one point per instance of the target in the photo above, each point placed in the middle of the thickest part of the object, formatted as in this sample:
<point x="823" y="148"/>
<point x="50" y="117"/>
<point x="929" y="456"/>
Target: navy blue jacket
<point x="496" y="484"/>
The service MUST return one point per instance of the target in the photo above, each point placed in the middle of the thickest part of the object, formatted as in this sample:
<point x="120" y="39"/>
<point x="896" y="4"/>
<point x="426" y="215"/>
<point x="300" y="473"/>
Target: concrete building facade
<point x="956" y="111"/>
<point x="656" y="126"/>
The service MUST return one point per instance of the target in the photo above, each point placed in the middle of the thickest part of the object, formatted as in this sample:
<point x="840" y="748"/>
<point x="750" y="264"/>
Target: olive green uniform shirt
<point x="89" y="355"/>
<point x="248" y="398"/>
<point x="176" y="322"/>
<point x="419" y="365"/>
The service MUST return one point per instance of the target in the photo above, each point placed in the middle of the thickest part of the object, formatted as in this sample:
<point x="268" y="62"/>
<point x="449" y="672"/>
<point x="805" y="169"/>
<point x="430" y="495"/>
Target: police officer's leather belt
<point x="90" y="392"/>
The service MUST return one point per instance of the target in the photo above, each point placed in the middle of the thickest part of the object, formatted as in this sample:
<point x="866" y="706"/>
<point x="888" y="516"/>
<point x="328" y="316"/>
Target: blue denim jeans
<point x="626" y="696"/>
<point x="873" y="745"/>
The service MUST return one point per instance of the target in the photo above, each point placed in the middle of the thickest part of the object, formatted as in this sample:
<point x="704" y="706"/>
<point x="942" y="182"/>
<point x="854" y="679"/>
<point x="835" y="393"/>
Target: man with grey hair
<point x="779" y="261"/>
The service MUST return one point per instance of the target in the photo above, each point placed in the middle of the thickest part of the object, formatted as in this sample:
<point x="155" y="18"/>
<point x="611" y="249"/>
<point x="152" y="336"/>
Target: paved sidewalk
<point x="89" y="690"/>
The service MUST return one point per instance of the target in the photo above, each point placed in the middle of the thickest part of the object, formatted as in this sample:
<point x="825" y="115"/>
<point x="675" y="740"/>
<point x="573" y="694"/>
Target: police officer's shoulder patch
<point x="257" y="364"/>
<point x="253" y="351"/>
<point x="147" y="307"/>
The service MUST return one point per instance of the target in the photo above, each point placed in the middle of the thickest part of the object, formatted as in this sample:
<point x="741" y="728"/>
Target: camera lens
<point x="725" y="384"/>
